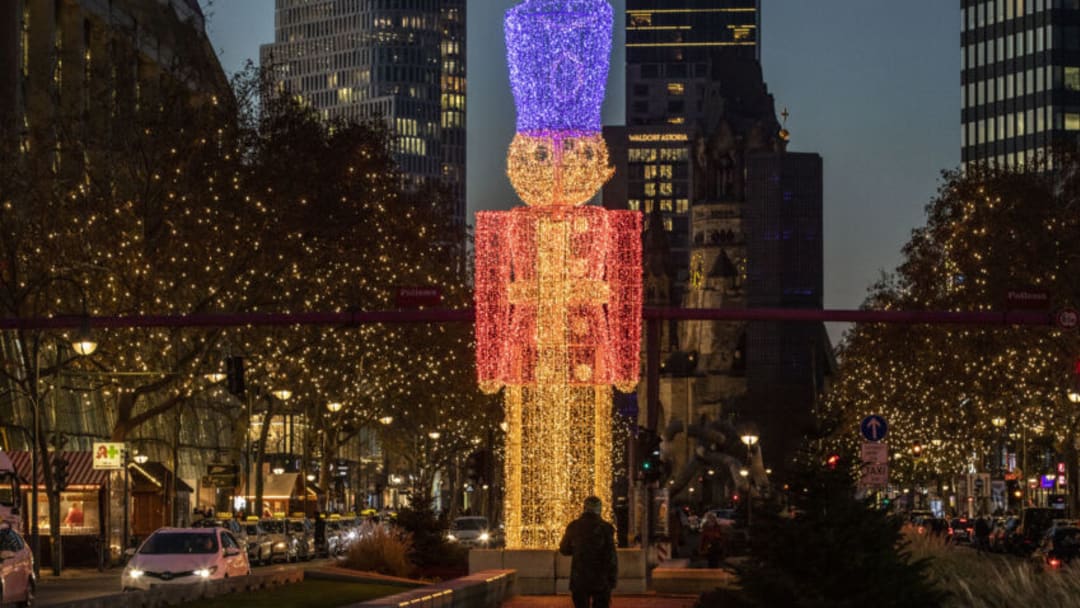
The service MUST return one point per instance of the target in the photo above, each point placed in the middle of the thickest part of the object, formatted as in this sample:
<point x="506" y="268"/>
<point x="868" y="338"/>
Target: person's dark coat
<point x="591" y="542"/>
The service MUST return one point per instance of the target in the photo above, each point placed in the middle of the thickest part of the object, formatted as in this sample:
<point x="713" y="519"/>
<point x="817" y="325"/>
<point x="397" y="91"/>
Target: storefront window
<point x="79" y="513"/>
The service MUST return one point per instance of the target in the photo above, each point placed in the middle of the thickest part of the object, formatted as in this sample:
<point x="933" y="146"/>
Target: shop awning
<point x="80" y="469"/>
<point x="159" y="475"/>
<point x="278" y="487"/>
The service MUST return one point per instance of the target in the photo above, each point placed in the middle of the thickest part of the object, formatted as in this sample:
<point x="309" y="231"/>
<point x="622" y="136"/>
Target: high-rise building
<point x="786" y="363"/>
<point x="703" y="154"/>
<point x="1019" y="79"/>
<point x="400" y="62"/>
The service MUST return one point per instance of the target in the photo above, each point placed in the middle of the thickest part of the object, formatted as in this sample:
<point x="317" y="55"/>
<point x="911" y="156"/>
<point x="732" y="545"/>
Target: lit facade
<point x="558" y="283"/>
<point x="403" y="63"/>
<point x="77" y="65"/>
<point x="1019" y="79"/>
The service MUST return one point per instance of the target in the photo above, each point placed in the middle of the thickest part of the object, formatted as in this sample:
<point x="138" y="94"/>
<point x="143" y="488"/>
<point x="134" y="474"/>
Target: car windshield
<point x="274" y="526"/>
<point x="1062" y="533"/>
<point x="251" y="529"/>
<point x="470" y="524"/>
<point x="165" y="543"/>
<point x="296" y="526"/>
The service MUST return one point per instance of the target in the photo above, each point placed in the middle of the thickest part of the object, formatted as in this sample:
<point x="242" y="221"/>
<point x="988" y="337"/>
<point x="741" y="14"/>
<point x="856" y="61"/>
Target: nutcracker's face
<point x="558" y="169"/>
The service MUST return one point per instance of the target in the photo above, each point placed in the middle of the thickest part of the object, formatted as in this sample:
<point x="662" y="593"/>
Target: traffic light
<point x="832" y="461"/>
<point x="59" y="471"/>
<point x="648" y="450"/>
<point x="234" y="375"/>
<point x="476" y="466"/>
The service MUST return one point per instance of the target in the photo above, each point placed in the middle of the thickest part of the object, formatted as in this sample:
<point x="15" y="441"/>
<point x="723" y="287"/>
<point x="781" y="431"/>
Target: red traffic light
<point x="832" y="460"/>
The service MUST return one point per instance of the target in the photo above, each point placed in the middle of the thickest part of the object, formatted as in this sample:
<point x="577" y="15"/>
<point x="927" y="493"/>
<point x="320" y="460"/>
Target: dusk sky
<point x="871" y="86"/>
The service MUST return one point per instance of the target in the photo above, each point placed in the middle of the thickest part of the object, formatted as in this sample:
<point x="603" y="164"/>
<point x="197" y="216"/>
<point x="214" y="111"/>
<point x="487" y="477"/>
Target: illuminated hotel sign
<point x="659" y="137"/>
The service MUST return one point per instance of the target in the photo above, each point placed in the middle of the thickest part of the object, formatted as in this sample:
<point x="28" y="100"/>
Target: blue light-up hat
<point x="558" y="52"/>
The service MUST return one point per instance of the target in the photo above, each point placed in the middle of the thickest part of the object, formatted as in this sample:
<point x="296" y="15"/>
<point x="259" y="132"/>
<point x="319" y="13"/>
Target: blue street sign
<point x="874" y="428"/>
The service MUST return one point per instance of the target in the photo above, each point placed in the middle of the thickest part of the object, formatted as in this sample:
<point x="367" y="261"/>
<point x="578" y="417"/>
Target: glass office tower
<point x="402" y="62"/>
<point x="1020" y="79"/>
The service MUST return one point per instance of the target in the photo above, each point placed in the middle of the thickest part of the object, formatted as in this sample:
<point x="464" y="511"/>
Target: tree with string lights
<point x="954" y="394"/>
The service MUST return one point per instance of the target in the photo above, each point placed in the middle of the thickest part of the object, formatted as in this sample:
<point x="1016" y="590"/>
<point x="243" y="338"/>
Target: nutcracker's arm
<point x="623" y="273"/>
<point x="492" y="278"/>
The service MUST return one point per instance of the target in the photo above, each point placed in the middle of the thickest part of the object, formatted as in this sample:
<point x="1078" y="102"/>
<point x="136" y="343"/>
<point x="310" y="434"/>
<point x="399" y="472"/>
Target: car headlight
<point x="135" y="572"/>
<point x="351" y="535"/>
<point x="451" y="537"/>
<point x="205" y="572"/>
<point x="484" y="537"/>
<point x="279" y="545"/>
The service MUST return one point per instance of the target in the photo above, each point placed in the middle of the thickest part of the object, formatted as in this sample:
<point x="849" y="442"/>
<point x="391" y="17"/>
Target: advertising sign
<point x="108" y="456"/>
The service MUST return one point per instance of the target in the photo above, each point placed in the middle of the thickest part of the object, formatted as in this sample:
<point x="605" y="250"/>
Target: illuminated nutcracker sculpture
<point x="558" y="284"/>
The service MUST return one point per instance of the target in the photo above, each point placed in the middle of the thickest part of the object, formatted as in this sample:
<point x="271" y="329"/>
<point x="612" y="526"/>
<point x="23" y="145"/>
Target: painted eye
<point x="541" y="153"/>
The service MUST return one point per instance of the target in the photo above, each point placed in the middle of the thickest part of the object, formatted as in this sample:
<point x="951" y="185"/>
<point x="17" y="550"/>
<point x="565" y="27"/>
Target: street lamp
<point x="282" y="393"/>
<point x="84" y="344"/>
<point x="334" y="406"/>
<point x="434" y="434"/>
<point x="141" y="458"/>
<point x="386" y="420"/>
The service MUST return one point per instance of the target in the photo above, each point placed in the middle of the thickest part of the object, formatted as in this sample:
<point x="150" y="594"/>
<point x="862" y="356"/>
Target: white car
<point x="177" y="556"/>
<point x="471" y="532"/>
<point x="17" y="583"/>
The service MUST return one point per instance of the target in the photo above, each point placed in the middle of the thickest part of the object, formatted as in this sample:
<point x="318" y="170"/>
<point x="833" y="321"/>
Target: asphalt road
<point x="79" y="584"/>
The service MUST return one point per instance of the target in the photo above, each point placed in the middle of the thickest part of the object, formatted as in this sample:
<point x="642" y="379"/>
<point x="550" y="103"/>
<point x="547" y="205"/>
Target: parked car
<point x="1059" y="546"/>
<point x="336" y="536"/>
<point x="1034" y="522"/>
<point x="961" y="530"/>
<point x="260" y="547"/>
<point x="1001" y="536"/>
<point x="17" y="582"/>
<point x="471" y="532"/>
<point x="282" y="546"/>
<point x="225" y="520"/>
<point x="303" y="535"/>
<point x="176" y="556"/>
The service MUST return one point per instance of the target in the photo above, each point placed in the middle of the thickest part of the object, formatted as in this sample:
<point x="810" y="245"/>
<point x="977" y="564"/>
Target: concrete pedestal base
<point x="544" y="572"/>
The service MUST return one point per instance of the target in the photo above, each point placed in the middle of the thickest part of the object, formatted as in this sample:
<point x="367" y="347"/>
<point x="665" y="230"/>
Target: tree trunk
<point x="259" y="455"/>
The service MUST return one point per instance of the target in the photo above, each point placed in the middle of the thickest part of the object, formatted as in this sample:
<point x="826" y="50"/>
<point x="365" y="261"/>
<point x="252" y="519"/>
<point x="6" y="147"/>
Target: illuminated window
<point x="666" y="189"/>
<point x="1072" y="78"/>
<point x="650" y="172"/>
<point x="1072" y="122"/>
<point x="665" y="205"/>
<point x="668" y="224"/>
<point x="675" y="88"/>
<point x="676" y="120"/>
<point x="682" y="205"/>
<point x="648" y="206"/>
<point x="665" y="171"/>
<point x="650" y="189"/>
<point x="633" y="204"/>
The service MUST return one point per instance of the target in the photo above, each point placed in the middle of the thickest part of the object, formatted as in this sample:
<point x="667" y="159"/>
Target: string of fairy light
<point x="558" y="285"/>
<point x="182" y="212"/>
<point x="954" y="395"/>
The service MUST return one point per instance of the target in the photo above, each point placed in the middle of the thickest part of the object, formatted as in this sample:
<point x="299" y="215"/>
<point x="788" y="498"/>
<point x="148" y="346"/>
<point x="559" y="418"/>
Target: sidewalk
<point x="617" y="601"/>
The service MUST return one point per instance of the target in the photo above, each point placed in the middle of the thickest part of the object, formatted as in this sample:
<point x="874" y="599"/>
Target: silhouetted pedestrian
<point x="595" y="566"/>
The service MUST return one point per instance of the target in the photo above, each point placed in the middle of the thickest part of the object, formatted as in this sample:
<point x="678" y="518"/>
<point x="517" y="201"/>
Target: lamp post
<point x="83" y="345"/>
<point x="750" y="438"/>
<point x="998" y="422"/>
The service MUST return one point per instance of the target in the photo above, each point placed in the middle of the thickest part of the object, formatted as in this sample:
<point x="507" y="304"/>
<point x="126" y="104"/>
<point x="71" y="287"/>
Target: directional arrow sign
<point x="874" y="428"/>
